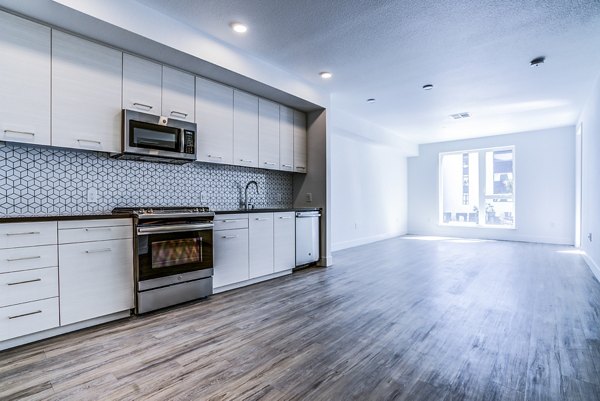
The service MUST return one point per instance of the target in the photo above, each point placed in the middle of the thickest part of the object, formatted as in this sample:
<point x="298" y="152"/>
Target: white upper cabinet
<point x="142" y="83"/>
<point x="86" y="94"/>
<point x="214" y="117"/>
<point x="268" y="134"/>
<point x="300" y="158"/>
<point x="24" y="81"/>
<point x="177" y="94"/>
<point x="286" y="138"/>
<point x="245" y="129"/>
<point x="155" y="89"/>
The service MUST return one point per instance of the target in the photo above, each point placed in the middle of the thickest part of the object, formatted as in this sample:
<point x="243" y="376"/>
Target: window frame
<point x="482" y="193"/>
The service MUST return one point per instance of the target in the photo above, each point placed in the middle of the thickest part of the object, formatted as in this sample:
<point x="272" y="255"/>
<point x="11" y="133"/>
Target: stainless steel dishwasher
<point x="307" y="237"/>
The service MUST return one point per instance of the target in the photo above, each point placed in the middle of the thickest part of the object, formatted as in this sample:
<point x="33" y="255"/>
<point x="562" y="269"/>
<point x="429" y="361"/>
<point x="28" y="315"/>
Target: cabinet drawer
<point x="34" y="257"/>
<point x="14" y="235"/>
<point x="96" y="279"/>
<point x="31" y="317"/>
<point x="67" y="224"/>
<point x="230" y="224"/>
<point x="28" y="285"/>
<point x="93" y="233"/>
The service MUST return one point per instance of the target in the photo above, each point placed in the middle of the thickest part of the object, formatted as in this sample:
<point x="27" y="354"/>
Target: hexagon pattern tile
<point x="42" y="181"/>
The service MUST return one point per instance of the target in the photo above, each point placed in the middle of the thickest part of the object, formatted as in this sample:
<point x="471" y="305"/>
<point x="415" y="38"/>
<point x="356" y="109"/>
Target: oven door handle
<point x="174" y="228"/>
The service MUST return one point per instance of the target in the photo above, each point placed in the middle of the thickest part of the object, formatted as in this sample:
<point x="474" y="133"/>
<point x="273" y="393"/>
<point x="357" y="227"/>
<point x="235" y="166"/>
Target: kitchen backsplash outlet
<point x="48" y="181"/>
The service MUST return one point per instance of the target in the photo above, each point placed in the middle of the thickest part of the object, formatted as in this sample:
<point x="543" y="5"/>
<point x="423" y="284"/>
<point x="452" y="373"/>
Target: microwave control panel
<point x="189" y="139"/>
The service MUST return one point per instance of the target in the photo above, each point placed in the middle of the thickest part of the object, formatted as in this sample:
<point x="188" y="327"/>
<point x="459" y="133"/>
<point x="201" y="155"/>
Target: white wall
<point x="590" y="179"/>
<point x="368" y="191"/>
<point x="544" y="187"/>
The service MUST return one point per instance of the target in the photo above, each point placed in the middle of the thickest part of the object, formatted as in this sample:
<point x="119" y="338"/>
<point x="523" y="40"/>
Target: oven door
<point x="162" y="254"/>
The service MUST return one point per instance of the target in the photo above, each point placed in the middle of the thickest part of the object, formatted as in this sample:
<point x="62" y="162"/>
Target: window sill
<point x="475" y="225"/>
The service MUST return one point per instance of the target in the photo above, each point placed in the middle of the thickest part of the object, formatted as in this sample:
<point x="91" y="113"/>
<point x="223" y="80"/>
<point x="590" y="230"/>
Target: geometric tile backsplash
<point x="50" y="181"/>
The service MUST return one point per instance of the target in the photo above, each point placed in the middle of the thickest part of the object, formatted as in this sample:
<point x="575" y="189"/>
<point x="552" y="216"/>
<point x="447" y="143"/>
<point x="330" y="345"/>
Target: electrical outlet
<point x="590" y="237"/>
<point x="92" y="195"/>
<point x="278" y="196"/>
<point x="309" y="196"/>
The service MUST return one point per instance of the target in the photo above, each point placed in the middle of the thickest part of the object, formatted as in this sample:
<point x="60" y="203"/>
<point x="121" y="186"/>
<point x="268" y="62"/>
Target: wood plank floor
<point x="402" y="319"/>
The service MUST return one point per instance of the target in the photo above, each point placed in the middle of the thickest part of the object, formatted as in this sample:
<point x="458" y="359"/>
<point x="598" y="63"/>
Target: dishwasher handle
<point x="308" y="214"/>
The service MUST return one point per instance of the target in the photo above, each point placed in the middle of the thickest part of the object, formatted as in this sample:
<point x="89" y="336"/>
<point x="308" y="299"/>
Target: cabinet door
<point x="214" y="117"/>
<point x="268" y="134"/>
<point x="284" y="228"/>
<point x="142" y="80"/>
<point x="260" y="233"/>
<point x="299" y="142"/>
<point x="86" y="94"/>
<point x="178" y="94"/>
<point x="245" y="129"/>
<point x="286" y="138"/>
<point x="95" y="279"/>
<point x="230" y="257"/>
<point x="24" y="81"/>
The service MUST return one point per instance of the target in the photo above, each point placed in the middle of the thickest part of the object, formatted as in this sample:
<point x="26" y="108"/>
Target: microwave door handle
<point x="181" y="141"/>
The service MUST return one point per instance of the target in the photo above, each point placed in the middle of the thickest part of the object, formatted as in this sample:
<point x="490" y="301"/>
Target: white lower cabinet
<point x="27" y="318"/>
<point x="28" y="285"/>
<point x="230" y="257"/>
<point x="252" y="247"/>
<point x="95" y="276"/>
<point x="260" y="234"/>
<point x="284" y="252"/>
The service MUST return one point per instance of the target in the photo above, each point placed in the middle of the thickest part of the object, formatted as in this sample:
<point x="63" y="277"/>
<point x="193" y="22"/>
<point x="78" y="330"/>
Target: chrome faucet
<point x="246" y="193"/>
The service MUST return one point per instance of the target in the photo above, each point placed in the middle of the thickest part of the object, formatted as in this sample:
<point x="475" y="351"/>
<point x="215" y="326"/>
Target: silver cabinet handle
<point x="10" y="131"/>
<point x="179" y="113"/>
<point x="228" y="236"/>
<point x="25" y="314"/>
<point x="227" y="221"/>
<point x="301" y="167"/>
<point x="90" y="141"/>
<point x="23" y="258"/>
<point x="215" y="157"/>
<point x="245" y="161"/>
<point x="286" y="165"/>
<point x="98" y="229"/>
<point x="261" y="219"/>
<point x="25" y="282"/>
<point x="24" y="233"/>
<point x="285" y="218"/>
<point x="98" y="250"/>
<point x="269" y="163"/>
<point x="143" y="106"/>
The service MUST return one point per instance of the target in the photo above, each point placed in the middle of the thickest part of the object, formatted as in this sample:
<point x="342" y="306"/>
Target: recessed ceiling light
<point x="428" y="87"/>
<point x="325" y="74"/>
<point x="371" y="100"/>
<point x="459" y="116"/>
<point x="537" y="61"/>
<point x="238" y="27"/>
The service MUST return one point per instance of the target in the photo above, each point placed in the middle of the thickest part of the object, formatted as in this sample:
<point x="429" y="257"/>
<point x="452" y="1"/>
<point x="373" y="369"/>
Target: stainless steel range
<point x="174" y="247"/>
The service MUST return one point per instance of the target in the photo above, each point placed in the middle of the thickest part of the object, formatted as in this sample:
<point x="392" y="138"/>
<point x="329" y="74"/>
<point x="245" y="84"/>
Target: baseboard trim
<point x="473" y="234"/>
<point x="592" y="265"/>
<point x="364" y="241"/>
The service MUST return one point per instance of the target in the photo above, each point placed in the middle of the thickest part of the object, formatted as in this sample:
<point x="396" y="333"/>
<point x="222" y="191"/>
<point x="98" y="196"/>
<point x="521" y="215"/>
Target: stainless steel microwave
<point x="154" y="138"/>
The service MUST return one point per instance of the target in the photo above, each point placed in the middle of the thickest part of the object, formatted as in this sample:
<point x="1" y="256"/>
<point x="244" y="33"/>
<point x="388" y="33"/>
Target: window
<point x="477" y="188"/>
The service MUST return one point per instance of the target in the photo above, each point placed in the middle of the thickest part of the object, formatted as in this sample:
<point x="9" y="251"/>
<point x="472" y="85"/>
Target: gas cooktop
<point x="165" y="211"/>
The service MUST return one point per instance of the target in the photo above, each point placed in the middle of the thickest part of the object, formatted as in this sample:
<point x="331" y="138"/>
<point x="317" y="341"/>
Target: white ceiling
<point x="475" y="52"/>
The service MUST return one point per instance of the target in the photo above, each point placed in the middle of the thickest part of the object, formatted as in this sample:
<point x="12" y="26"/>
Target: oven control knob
<point x="179" y="278"/>
<point x="149" y="211"/>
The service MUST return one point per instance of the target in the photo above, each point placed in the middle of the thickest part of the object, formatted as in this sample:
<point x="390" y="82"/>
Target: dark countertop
<point x="268" y="210"/>
<point x="27" y="219"/>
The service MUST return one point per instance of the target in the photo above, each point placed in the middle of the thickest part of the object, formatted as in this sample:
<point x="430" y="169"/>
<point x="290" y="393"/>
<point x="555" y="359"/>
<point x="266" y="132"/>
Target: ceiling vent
<point x="458" y="116"/>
